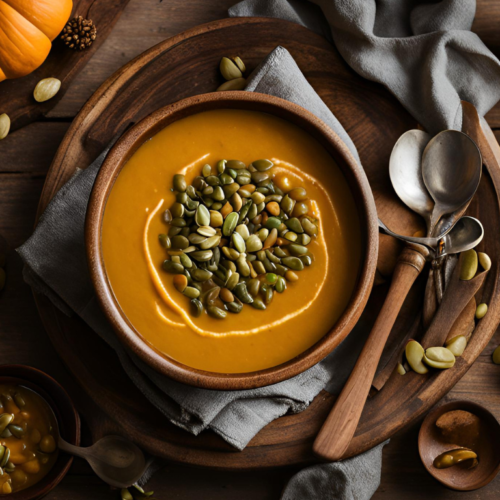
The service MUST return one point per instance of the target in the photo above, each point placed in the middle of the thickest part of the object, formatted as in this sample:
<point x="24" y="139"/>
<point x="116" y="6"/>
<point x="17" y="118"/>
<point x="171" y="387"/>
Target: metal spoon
<point x="405" y="170"/>
<point x="466" y="234"/>
<point x="116" y="460"/>
<point x="451" y="170"/>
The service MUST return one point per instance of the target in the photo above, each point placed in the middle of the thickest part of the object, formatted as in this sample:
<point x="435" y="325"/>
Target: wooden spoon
<point x="337" y="431"/>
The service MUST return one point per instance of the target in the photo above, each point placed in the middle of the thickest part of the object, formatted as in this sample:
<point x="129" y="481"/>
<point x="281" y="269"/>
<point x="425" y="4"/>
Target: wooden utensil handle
<point x="338" y="430"/>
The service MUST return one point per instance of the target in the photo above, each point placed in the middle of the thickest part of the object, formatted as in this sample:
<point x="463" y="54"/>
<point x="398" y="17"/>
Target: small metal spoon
<point x="116" y="460"/>
<point x="466" y="234"/>
<point x="405" y="170"/>
<point x="451" y="170"/>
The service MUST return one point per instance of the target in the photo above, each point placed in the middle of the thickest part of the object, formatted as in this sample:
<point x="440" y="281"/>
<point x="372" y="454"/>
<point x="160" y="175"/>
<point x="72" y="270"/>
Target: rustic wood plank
<point x="32" y="148"/>
<point x="16" y="96"/>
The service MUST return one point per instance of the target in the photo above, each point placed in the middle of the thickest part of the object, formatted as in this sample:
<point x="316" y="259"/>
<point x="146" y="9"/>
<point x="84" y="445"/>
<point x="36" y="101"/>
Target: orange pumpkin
<point x="27" y="28"/>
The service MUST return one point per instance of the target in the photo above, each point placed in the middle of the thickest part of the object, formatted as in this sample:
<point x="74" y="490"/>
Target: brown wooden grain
<point x="144" y="23"/>
<point x="338" y="430"/>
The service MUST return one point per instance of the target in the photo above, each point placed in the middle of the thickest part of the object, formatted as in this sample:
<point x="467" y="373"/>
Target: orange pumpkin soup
<point x="254" y="338"/>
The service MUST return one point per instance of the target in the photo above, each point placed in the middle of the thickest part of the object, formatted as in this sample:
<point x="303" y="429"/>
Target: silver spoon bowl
<point x="466" y="234"/>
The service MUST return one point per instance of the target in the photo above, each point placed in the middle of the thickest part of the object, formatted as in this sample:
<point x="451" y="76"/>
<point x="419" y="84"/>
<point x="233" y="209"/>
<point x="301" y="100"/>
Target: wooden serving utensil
<point x="338" y="430"/>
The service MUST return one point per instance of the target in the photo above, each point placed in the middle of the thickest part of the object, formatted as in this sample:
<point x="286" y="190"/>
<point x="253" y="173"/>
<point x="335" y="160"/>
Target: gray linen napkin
<point x="55" y="264"/>
<point x="422" y="51"/>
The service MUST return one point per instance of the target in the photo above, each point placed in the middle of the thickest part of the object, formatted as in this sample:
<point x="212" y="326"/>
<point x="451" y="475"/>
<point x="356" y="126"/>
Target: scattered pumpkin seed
<point x="46" y="89"/>
<point x="229" y="69"/>
<point x="4" y="125"/>
<point x="484" y="260"/>
<point x="481" y="311"/>
<point x="439" y="357"/>
<point x="401" y="369"/>
<point x="469" y="265"/>
<point x="457" y="345"/>
<point x="415" y="355"/>
<point x="236" y="84"/>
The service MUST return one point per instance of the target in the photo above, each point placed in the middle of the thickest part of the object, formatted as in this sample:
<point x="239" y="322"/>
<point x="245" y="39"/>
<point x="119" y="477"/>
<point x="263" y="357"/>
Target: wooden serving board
<point x="186" y="65"/>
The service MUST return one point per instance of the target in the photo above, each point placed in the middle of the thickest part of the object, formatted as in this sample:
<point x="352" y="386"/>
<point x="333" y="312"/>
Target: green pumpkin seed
<point x="234" y="307"/>
<point x="287" y="205"/>
<point x="170" y="267"/>
<point x="196" y="239"/>
<point x="228" y="264"/>
<point x="126" y="495"/>
<point x="212" y="296"/>
<point x="6" y="457"/>
<point x="401" y="369"/>
<point x="211" y="242"/>
<point x="201" y="274"/>
<point x="300" y="209"/>
<point x="279" y="252"/>
<point x="4" y="125"/>
<point x="212" y="180"/>
<point x="252" y="213"/>
<point x="230" y="253"/>
<point x="232" y="172"/>
<point x="268" y="295"/>
<point x="496" y="356"/>
<point x="439" y="357"/>
<point x="262" y="165"/>
<point x="232" y="281"/>
<point x="294" y="225"/>
<point x="469" y="263"/>
<point x="457" y="345"/>
<point x="199" y="183"/>
<point x="253" y="287"/>
<point x="272" y="257"/>
<point x="207" y="231"/>
<point x="293" y="263"/>
<point x="185" y="260"/>
<point x="270" y="266"/>
<point x="263" y="234"/>
<point x="180" y="242"/>
<point x="208" y="191"/>
<point x="273" y="197"/>
<point x="206" y="170"/>
<point x="257" y="197"/>
<point x="238" y="242"/>
<point x="229" y="69"/>
<point x="273" y="223"/>
<point x="244" y="193"/>
<point x="218" y="193"/>
<point x="253" y="243"/>
<point x="259" y="267"/>
<point x="414" y="355"/>
<point x="182" y="198"/>
<point x="179" y="183"/>
<point x="202" y="217"/>
<point x="236" y="165"/>
<point x="241" y="291"/>
<point x="310" y="228"/>
<point x="230" y="224"/>
<point x="167" y="216"/>
<point x="304" y="239"/>
<point x="236" y="202"/>
<point x="280" y="286"/>
<point x="244" y="211"/>
<point x="291" y="236"/>
<point x="179" y="223"/>
<point x="202" y="255"/>
<point x="16" y="431"/>
<point x="230" y="189"/>
<point x="306" y="260"/>
<point x="19" y="400"/>
<point x="216" y="312"/>
<point x="242" y="230"/>
<point x="484" y="260"/>
<point x="260" y="177"/>
<point x="6" y="434"/>
<point x="226" y="179"/>
<point x="221" y="166"/>
<point x="243" y="178"/>
<point x="243" y="267"/>
<point x="271" y="278"/>
<point x="177" y="210"/>
<point x="164" y="241"/>
<point x="298" y="194"/>
<point x="192" y="204"/>
<point x="258" y="303"/>
<point x="296" y="250"/>
<point x="216" y="206"/>
<point x="481" y="311"/>
<point x="2" y="452"/>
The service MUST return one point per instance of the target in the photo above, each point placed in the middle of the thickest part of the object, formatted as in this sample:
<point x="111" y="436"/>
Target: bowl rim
<point x="61" y="404"/>
<point x="126" y="146"/>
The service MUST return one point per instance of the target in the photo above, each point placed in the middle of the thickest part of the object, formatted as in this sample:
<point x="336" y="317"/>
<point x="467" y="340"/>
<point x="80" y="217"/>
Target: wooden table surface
<point x="25" y="157"/>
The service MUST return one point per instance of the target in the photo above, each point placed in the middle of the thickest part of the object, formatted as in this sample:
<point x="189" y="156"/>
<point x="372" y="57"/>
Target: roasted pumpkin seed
<point x="236" y="84"/>
<point x="46" y="89"/>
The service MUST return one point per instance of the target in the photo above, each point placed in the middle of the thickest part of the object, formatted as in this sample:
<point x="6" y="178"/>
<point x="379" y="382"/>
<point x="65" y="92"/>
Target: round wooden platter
<point x="186" y="65"/>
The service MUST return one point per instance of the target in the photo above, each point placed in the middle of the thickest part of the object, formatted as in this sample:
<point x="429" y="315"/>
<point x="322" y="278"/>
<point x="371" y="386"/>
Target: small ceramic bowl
<point x="67" y="417"/>
<point x="431" y="444"/>
<point x="133" y="139"/>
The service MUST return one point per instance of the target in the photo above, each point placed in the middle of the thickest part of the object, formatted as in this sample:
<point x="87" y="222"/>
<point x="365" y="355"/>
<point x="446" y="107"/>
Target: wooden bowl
<point x="431" y="444"/>
<point x="67" y="417"/>
<point x="151" y="125"/>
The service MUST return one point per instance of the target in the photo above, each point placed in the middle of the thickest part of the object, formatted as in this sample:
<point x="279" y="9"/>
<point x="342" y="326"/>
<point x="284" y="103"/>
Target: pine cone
<point x="79" y="33"/>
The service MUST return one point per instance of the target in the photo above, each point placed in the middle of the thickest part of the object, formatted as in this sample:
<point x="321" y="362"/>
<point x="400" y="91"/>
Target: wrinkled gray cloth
<point x="56" y="264"/>
<point x="422" y="51"/>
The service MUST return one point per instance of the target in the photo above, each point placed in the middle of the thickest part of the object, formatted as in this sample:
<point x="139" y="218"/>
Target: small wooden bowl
<point x="67" y="417"/>
<point x="133" y="139"/>
<point x="431" y="444"/>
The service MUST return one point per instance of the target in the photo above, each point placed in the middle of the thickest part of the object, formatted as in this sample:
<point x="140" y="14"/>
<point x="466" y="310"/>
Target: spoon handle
<point x="338" y="430"/>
